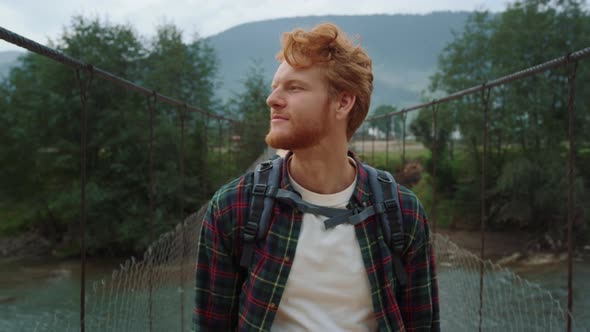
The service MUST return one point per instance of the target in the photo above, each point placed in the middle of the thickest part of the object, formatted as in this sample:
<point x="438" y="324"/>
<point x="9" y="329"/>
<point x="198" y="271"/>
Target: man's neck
<point x="322" y="170"/>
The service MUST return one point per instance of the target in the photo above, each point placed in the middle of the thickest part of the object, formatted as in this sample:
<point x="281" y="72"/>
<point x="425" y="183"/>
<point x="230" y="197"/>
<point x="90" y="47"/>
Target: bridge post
<point x="485" y="97"/>
<point x="570" y="196"/>
<point x="433" y="216"/>
<point x="84" y="86"/>
<point x="151" y="100"/>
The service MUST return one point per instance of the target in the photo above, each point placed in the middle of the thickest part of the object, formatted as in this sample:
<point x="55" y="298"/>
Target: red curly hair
<point x="347" y="67"/>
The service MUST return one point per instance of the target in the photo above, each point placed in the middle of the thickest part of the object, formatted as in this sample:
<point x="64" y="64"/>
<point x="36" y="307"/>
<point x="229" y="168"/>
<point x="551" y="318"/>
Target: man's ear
<point x="346" y="101"/>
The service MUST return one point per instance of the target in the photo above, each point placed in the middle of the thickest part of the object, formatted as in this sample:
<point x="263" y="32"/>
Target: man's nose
<point x="275" y="100"/>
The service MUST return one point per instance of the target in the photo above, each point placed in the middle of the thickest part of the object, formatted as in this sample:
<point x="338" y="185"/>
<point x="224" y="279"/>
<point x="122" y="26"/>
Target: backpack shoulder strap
<point x="384" y="189"/>
<point x="266" y="178"/>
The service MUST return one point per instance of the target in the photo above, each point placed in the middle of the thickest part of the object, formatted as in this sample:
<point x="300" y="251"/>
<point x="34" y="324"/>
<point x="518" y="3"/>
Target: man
<point x="303" y="276"/>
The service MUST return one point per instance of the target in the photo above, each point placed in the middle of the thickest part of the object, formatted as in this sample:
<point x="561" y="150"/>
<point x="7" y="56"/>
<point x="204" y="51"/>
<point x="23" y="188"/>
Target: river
<point x="554" y="278"/>
<point x="33" y="291"/>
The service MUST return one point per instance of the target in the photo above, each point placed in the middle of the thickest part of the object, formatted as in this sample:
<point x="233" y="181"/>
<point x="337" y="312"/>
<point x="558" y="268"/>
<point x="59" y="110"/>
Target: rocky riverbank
<point x="28" y="244"/>
<point x="501" y="247"/>
<point x="511" y="248"/>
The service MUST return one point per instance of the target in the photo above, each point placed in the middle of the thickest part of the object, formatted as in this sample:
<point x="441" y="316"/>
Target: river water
<point x="554" y="278"/>
<point x="35" y="291"/>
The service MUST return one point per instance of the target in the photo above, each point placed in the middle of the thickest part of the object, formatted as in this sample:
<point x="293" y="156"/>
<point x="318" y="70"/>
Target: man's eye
<point x="295" y="87"/>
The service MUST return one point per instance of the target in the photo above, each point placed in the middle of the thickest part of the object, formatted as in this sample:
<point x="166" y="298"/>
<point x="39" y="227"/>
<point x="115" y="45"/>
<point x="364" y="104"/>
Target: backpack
<point x="266" y="191"/>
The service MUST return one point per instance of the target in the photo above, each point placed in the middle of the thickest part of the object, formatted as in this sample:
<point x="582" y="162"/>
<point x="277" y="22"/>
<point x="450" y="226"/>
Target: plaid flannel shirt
<point x="228" y="298"/>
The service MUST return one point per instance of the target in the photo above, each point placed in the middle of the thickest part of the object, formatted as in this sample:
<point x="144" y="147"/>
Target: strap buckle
<point x="397" y="240"/>
<point x="384" y="179"/>
<point x="265" y="165"/>
<point x="259" y="189"/>
<point x="250" y="231"/>
<point x="390" y="204"/>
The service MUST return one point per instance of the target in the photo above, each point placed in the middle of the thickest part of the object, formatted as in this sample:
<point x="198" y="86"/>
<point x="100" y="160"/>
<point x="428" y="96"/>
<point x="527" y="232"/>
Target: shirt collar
<point x="360" y="195"/>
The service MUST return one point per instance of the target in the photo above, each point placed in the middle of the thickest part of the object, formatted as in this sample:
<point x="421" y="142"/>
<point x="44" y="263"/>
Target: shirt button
<point x="287" y="259"/>
<point x="273" y="306"/>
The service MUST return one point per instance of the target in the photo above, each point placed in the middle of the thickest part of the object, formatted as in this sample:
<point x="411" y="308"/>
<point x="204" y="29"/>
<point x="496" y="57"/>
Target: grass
<point x="390" y="160"/>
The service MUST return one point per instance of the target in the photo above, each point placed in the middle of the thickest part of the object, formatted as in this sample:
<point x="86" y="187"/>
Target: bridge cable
<point x="528" y="72"/>
<point x="48" y="52"/>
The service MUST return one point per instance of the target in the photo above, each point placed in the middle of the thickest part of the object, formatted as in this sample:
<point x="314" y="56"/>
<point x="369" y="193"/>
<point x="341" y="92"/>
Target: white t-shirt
<point x="328" y="288"/>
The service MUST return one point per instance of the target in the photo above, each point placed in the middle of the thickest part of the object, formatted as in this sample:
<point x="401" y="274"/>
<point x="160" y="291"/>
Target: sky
<point x="203" y="17"/>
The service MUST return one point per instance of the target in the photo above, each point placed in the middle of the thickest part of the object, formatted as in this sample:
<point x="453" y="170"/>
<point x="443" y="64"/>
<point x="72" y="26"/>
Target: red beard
<point x="294" y="135"/>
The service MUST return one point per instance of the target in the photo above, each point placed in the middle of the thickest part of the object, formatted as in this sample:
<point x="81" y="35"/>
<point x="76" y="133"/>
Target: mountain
<point x="7" y="61"/>
<point x="404" y="49"/>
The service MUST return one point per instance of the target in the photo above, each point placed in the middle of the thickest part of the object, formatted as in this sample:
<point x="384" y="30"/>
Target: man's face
<point x="300" y="108"/>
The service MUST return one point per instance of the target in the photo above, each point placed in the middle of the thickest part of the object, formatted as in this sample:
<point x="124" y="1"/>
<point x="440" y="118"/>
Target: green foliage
<point x="15" y="218"/>
<point x="40" y="138"/>
<point x="527" y="193"/>
<point x="527" y="120"/>
<point x="250" y="107"/>
<point x="439" y="144"/>
<point x="391" y="126"/>
<point x="424" y="192"/>
<point x="445" y="210"/>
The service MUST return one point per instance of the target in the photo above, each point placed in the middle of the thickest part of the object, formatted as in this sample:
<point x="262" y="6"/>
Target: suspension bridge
<point x="154" y="292"/>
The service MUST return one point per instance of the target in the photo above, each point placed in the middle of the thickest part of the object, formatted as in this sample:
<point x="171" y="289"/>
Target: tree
<point x="391" y="125"/>
<point x="438" y="143"/>
<point x="44" y="106"/>
<point x="250" y="107"/>
<point x="527" y="118"/>
<point x="40" y="137"/>
<point x="186" y="72"/>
